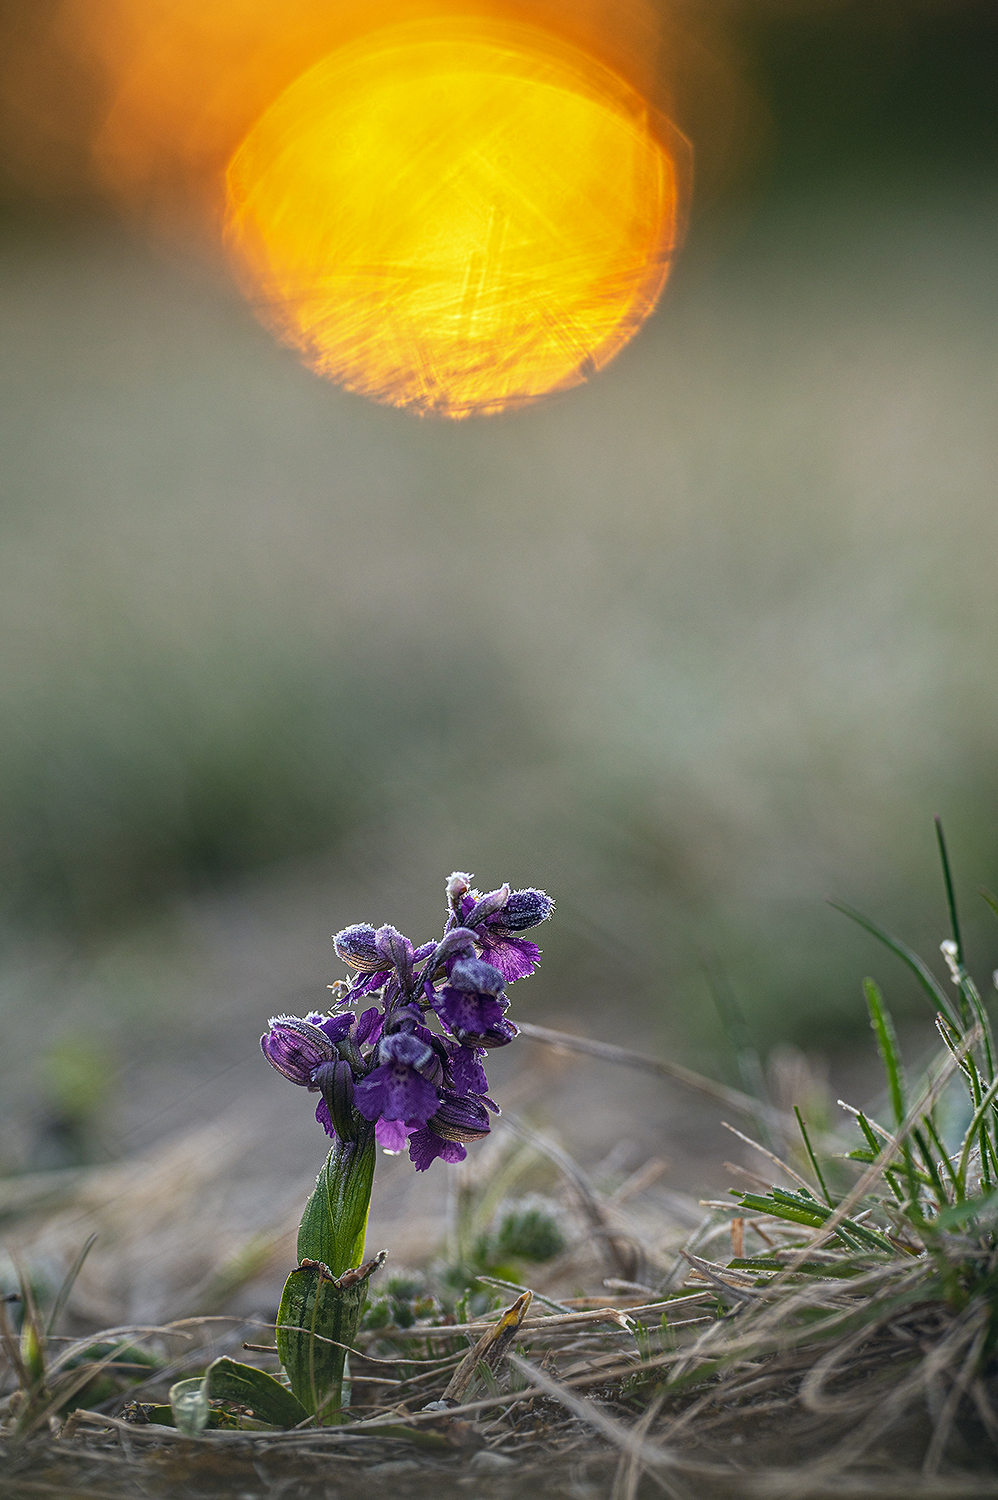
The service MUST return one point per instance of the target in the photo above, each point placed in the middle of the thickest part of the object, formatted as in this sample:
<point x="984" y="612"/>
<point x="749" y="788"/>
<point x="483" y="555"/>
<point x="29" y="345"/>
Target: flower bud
<point x="525" y="909"/>
<point x="296" y="1048"/>
<point x="357" y="947"/>
<point x="459" y="1119"/>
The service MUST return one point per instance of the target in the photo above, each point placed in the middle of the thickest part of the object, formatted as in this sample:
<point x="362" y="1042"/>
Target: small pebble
<point x="393" y="1466"/>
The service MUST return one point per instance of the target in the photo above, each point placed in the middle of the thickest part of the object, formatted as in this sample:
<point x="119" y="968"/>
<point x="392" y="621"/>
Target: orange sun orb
<point x="454" y="217"/>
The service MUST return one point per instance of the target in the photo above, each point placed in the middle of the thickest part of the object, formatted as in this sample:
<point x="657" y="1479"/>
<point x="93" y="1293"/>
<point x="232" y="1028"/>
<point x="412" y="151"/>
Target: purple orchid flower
<point x="497" y="918"/>
<point x="472" y="1006"/>
<point x="455" y="1122"/>
<point x="398" y="1095"/>
<point x="385" y="1067"/>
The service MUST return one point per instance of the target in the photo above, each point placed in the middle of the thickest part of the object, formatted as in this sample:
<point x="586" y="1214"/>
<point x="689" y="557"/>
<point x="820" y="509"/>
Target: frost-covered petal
<point x="295" y="1047"/>
<point x="515" y="958"/>
<point x="475" y="974"/>
<point x="458" y="943"/>
<point x="425" y="1146"/>
<point x="403" y="1047"/>
<point x="487" y="906"/>
<point x="395" y="949"/>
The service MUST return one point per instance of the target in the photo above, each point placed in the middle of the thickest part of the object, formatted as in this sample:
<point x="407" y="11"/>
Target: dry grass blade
<point x="720" y="1092"/>
<point x="959" y="1389"/>
<point x="617" y="1315"/>
<point x="491" y="1348"/>
<point x="608" y="1427"/>
<point x="630" y="1468"/>
<point x="794" y="1176"/>
<point x="624" y="1255"/>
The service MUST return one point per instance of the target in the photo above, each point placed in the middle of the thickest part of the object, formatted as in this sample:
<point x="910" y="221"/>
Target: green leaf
<point x="189" y="1405"/>
<point x="334" y="1224"/>
<point x="266" y="1398"/>
<point x="319" y="1314"/>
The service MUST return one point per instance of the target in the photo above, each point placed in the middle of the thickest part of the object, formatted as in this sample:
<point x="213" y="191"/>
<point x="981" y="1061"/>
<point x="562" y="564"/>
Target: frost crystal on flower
<point x="386" y="1069"/>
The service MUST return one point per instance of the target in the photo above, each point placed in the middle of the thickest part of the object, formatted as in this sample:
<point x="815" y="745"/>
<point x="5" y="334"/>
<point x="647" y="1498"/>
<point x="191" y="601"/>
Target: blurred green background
<point x="695" y="647"/>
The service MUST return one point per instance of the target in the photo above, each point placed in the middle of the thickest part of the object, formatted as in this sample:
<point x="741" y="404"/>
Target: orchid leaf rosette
<point x="398" y="1063"/>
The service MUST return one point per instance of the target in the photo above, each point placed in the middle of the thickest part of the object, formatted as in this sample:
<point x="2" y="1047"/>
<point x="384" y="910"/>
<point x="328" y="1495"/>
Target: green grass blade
<point x="887" y="1046"/>
<point x="933" y="1178"/>
<point x="930" y="1126"/>
<point x="950" y="892"/>
<point x="922" y="973"/>
<point x="812" y="1158"/>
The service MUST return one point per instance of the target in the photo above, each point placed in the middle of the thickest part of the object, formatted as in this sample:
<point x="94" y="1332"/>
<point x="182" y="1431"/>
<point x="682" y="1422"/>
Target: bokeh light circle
<point x="454" y="217"/>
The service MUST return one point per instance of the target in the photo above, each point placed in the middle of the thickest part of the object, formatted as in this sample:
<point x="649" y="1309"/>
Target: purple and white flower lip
<point x="385" y="1072"/>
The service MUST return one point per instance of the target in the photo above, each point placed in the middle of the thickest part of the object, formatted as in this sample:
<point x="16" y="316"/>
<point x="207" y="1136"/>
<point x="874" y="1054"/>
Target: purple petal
<point x="476" y="1020"/>
<point x="425" y="1146"/>
<point x="374" y="981"/>
<point x="337" y="1027"/>
<point x="466" y="1071"/>
<point x="322" y="1115"/>
<point x="392" y="1135"/>
<point x="396" y="1092"/>
<point x="403" y="1047"/>
<point x="515" y="958"/>
<point x="369" y="1024"/>
<point x="487" y="906"/>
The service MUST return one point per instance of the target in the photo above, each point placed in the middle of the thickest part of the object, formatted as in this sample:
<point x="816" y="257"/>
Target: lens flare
<point x="455" y="217"/>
